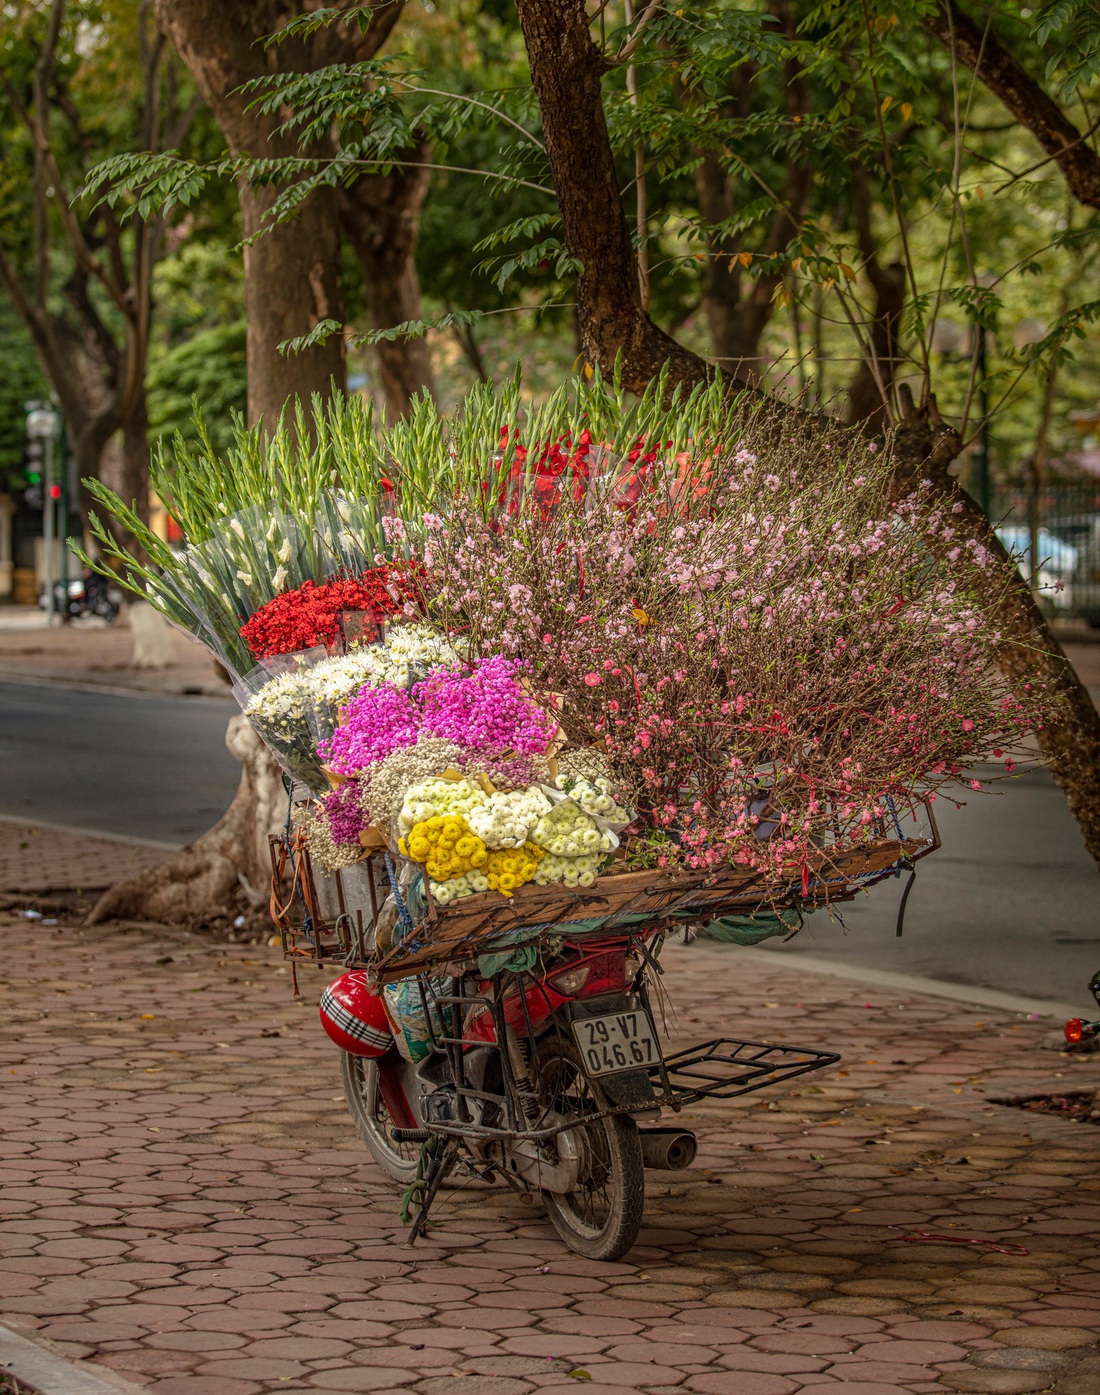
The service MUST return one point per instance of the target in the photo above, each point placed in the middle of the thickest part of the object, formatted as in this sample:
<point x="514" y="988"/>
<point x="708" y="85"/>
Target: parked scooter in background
<point x="90" y="594"/>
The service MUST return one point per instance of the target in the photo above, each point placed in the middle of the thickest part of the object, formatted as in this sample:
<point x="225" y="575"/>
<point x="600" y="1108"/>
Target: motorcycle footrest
<point x="410" y="1135"/>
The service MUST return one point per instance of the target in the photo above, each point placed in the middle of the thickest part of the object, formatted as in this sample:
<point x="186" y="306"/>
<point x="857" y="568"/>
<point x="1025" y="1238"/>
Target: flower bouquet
<point x="617" y="652"/>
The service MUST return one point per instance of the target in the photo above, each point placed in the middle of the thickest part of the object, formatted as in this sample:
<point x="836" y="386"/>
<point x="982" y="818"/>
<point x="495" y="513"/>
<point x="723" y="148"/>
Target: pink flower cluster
<point x="375" y="722"/>
<point x="485" y="709"/>
<point x="344" y="813"/>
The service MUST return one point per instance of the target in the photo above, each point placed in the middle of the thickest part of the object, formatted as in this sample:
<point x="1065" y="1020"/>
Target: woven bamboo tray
<point x="462" y="930"/>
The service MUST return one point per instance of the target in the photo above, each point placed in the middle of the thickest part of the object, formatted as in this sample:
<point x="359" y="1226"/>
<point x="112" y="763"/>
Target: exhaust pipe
<point x="667" y="1150"/>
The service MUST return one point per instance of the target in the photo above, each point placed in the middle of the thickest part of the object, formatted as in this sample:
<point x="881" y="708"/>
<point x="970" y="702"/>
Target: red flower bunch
<point x="310" y="614"/>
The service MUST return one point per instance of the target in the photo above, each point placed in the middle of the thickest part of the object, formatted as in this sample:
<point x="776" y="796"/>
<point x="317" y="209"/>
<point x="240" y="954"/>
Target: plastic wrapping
<point x="276" y="700"/>
<point x="250" y="558"/>
<point x="408" y="1004"/>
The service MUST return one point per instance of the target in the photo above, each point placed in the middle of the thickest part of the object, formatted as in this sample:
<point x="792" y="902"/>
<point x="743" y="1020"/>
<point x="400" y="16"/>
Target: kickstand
<point x="440" y="1163"/>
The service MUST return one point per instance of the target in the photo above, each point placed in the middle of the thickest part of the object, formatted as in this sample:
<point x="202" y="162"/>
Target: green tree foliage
<point x="198" y="353"/>
<point x="803" y="161"/>
<point x="21" y="381"/>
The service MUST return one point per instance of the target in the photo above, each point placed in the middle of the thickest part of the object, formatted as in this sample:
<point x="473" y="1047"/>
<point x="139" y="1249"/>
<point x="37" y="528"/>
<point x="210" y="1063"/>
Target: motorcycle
<point x="88" y="595"/>
<point x="548" y="1079"/>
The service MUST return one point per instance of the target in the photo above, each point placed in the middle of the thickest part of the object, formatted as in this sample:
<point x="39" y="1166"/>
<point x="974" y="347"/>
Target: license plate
<point x="619" y="1041"/>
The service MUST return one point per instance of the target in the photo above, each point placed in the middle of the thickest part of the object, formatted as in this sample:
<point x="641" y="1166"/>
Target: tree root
<point x="208" y="871"/>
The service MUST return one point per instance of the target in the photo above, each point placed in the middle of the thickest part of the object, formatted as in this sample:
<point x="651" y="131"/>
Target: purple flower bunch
<point x="374" y="723"/>
<point x="485" y="708"/>
<point x="344" y="812"/>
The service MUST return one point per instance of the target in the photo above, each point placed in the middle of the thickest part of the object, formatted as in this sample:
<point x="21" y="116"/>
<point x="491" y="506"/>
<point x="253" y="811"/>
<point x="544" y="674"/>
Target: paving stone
<point x="204" y="1385"/>
<point x="997" y="1382"/>
<point x="1047" y="1338"/>
<point x="739" y="1383"/>
<point x="1022" y="1359"/>
<point x="804" y="1343"/>
<point x="363" y="1378"/>
<point x="488" y="1385"/>
<point x="494" y="1365"/>
<point x="750" y="1298"/>
<point x="252" y="1231"/>
<point x="1077" y="1384"/>
<point x="251" y="1368"/>
<point x="779" y="1364"/>
<point x="862" y="1307"/>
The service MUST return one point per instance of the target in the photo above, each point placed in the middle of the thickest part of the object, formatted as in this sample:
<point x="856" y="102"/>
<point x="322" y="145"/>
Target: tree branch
<point x="1020" y="94"/>
<point x="626" y="52"/>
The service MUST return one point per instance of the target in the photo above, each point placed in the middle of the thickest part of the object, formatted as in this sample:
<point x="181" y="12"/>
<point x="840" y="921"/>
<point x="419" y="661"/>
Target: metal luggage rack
<point x="725" y="1067"/>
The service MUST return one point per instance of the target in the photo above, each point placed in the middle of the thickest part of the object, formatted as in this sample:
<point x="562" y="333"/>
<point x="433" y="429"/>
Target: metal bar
<point x="372" y="893"/>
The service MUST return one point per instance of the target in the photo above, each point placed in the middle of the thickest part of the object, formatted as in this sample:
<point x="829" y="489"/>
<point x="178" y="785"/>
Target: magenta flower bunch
<point x="485" y="708"/>
<point x="343" y="810"/>
<point x="374" y="723"/>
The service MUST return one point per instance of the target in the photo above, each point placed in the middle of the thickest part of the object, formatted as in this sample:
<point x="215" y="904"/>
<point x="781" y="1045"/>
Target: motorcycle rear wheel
<point x="359" y="1078"/>
<point x="601" y="1218"/>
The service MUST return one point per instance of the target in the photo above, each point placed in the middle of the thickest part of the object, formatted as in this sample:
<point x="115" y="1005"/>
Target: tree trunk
<point x="208" y="873"/>
<point x="922" y="449"/>
<point x="566" y="69"/>
<point x="736" y="316"/>
<point x="869" y="396"/>
<point x="869" y="392"/>
<point x="380" y="216"/>
<point x="722" y="270"/>
<point x="1072" y="743"/>
<point x="292" y="273"/>
<point x="292" y="282"/>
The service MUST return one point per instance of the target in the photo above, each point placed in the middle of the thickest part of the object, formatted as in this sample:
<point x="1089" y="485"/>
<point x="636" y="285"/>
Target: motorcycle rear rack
<point x="725" y="1067"/>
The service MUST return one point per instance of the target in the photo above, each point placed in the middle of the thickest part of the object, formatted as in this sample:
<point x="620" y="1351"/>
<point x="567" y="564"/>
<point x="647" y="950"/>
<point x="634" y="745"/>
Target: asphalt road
<point x="146" y="767"/>
<point x="1011" y="901"/>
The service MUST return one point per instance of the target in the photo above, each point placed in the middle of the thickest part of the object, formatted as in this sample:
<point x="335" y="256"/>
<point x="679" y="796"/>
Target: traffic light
<point x="32" y="473"/>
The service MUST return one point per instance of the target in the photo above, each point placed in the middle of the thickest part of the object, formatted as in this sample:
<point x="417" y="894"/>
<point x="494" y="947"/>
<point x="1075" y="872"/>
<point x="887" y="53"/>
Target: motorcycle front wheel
<point x="601" y="1217"/>
<point x="359" y="1077"/>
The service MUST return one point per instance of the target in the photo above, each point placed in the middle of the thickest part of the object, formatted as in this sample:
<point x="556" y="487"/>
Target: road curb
<point x="36" y="1364"/>
<point x="24" y="821"/>
<point x="186" y="693"/>
<point x="913" y="983"/>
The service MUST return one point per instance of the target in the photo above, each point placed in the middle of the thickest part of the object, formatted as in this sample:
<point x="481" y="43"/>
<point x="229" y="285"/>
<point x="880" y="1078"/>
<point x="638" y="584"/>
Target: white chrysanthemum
<point x="406" y="653"/>
<point x="569" y="871"/>
<point x="567" y="831"/>
<point x="454" y="888"/>
<point x="437" y="798"/>
<point x="593" y="797"/>
<point x="506" y="819"/>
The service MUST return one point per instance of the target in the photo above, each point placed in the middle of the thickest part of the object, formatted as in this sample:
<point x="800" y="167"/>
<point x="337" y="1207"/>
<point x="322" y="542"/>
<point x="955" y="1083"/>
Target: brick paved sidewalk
<point x="89" y="653"/>
<point x="186" y="1203"/>
<point x="39" y="861"/>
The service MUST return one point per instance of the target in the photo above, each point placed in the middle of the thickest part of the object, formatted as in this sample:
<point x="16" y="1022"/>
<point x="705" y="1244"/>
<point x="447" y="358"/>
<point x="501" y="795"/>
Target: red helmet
<point x="354" y="1017"/>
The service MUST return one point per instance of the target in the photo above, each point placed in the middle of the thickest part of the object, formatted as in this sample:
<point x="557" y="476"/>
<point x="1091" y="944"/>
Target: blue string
<point x="894" y="813"/>
<point x="399" y="901"/>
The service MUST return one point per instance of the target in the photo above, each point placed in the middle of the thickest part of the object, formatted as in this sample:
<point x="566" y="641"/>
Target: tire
<point x="602" y="1217"/>
<point x="359" y="1077"/>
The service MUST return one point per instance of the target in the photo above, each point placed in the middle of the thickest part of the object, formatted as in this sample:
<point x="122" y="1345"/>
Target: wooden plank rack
<point x="467" y="928"/>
